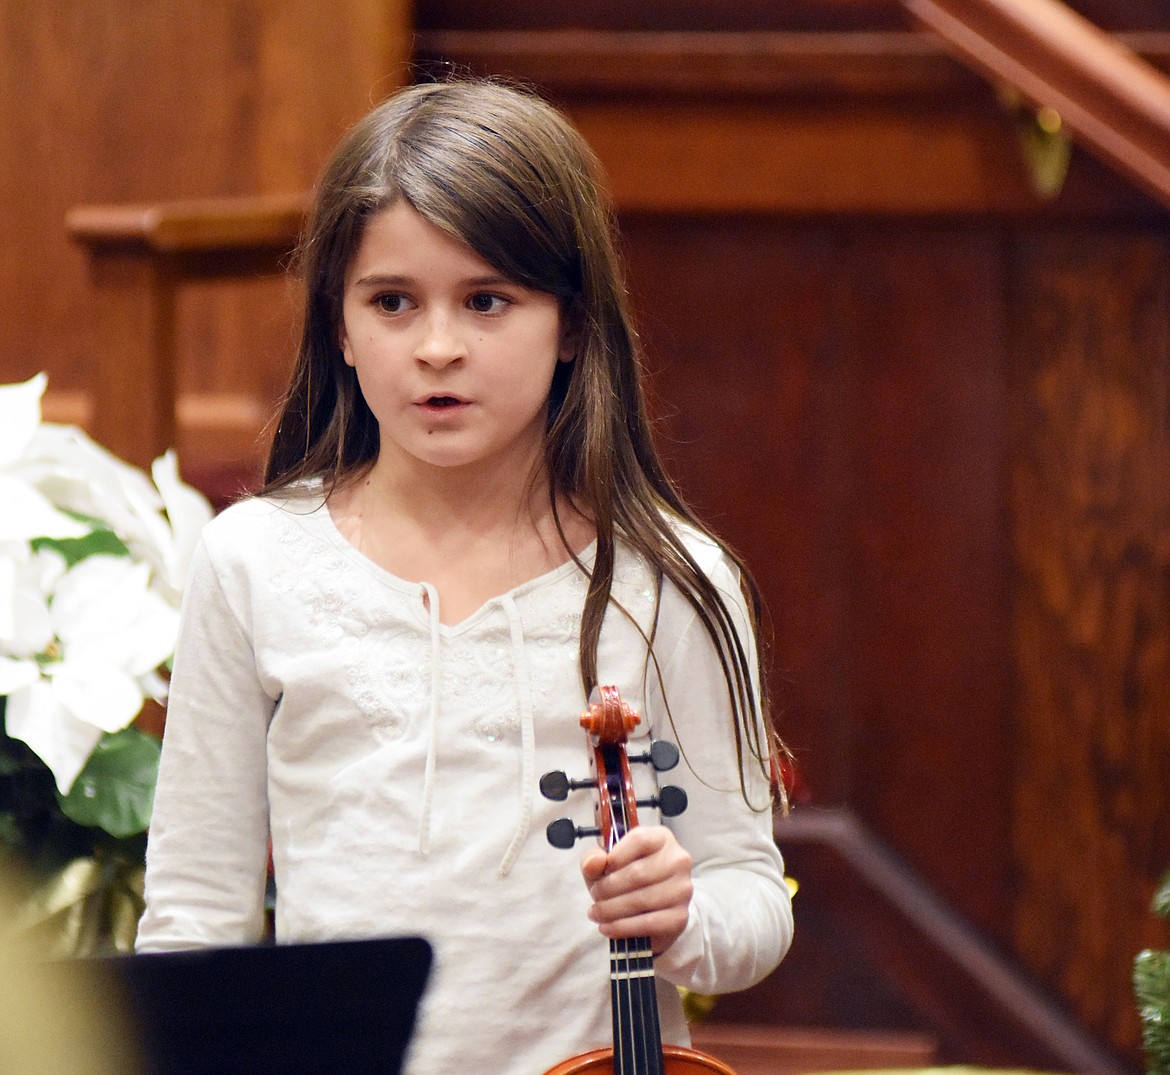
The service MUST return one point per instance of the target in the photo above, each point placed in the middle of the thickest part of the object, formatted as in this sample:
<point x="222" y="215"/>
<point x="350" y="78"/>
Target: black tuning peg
<point x="662" y="755"/>
<point x="556" y="785"/>
<point x="563" y="833"/>
<point x="670" y="801"/>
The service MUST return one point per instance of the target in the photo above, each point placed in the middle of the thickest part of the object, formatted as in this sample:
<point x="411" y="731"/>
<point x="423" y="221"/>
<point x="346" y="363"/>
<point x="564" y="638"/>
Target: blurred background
<point x="909" y="351"/>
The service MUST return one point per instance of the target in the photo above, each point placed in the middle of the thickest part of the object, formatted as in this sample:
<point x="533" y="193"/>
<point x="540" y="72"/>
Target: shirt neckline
<point x="329" y="528"/>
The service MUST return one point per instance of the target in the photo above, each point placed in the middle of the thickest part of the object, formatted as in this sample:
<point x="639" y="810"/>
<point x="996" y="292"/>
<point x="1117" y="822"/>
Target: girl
<point x="464" y="529"/>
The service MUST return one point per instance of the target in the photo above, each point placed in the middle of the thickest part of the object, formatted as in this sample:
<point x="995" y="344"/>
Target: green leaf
<point x="1151" y="984"/>
<point x="101" y="541"/>
<point x="115" y="790"/>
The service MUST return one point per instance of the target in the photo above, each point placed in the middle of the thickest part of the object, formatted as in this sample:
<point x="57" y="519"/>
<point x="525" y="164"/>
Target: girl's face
<point x="454" y="360"/>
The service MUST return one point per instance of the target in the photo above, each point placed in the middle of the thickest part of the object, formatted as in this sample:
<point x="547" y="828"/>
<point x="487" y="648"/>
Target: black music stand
<point x="297" y="1009"/>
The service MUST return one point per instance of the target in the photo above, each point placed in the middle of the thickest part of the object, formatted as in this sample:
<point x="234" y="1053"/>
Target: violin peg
<point x="555" y="786"/>
<point x="563" y="833"/>
<point x="663" y="755"/>
<point x="672" y="801"/>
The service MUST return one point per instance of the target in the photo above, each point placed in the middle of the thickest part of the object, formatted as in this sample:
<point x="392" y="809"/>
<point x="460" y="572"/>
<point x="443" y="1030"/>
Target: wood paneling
<point x="1090" y="425"/>
<point x="143" y="262"/>
<point x="695" y="15"/>
<point x="831" y="399"/>
<point x="753" y="15"/>
<point x="878" y="949"/>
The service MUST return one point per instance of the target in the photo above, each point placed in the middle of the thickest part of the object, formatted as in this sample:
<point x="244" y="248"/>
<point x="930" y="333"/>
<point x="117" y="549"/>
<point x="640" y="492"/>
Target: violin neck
<point x="637" y="1038"/>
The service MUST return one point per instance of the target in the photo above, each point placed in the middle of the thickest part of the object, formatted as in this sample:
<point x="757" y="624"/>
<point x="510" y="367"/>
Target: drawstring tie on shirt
<point x="527" y="735"/>
<point x="523" y="684"/>
<point x="424" y="825"/>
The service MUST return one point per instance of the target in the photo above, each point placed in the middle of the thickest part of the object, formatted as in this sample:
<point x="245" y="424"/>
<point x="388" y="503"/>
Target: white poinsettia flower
<point x="82" y="646"/>
<point x="10" y="555"/>
<point x="29" y="514"/>
<point x="187" y="511"/>
<point x="17" y="674"/>
<point x="37" y="716"/>
<point x="111" y="631"/>
<point x="79" y="475"/>
<point x="20" y="415"/>
<point x="27" y="578"/>
<point x="104" y="610"/>
<point x="28" y="511"/>
<point x="159" y="523"/>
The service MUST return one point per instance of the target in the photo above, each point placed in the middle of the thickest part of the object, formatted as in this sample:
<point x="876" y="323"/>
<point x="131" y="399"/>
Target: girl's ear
<point x="343" y="343"/>
<point x="570" y="335"/>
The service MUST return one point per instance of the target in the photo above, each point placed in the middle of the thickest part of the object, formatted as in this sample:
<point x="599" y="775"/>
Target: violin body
<point x="678" y="1061"/>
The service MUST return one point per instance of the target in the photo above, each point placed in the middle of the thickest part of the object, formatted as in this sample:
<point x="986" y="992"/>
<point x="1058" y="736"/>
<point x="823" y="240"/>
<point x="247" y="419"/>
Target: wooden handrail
<point x="1106" y="94"/>
<point x="192" y="226"/>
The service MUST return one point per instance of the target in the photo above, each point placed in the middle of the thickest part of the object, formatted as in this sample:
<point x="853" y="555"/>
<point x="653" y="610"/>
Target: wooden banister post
<point x="139" y="256"/>
<point x="133" y="378"/>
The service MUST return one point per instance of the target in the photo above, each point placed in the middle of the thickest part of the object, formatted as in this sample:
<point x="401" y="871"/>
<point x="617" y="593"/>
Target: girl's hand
<point x="642" y="888"/>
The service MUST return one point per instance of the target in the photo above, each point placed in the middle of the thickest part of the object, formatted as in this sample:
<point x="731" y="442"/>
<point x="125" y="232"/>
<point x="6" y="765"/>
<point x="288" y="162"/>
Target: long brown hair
<point x="506" y="174"/>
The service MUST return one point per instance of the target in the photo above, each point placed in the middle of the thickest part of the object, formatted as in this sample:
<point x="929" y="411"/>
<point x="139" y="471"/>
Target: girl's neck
<point x="471" y="537"/>
<point x="439" y="500"/>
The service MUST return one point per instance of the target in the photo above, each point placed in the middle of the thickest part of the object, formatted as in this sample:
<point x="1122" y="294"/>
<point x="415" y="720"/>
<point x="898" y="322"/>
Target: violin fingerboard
<point x="637" y="1037"/>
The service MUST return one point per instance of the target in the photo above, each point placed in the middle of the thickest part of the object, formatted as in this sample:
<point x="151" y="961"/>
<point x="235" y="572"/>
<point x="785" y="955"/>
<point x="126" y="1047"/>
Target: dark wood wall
<point x="929" y="406"/>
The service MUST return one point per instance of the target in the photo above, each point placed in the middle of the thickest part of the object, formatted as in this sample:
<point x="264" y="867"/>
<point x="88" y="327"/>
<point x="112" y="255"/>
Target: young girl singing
<point x="465" y="528"/>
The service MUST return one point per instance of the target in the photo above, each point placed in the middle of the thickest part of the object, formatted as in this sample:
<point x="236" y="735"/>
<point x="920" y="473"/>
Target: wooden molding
<point x="139" y="256"/>
<point x="602" y="63"/>
<point x="703" y="64"/>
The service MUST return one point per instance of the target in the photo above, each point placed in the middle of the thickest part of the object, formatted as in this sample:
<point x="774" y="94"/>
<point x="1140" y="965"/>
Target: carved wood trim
<point x="702" y="64"/>
<point x="602" y="63"/>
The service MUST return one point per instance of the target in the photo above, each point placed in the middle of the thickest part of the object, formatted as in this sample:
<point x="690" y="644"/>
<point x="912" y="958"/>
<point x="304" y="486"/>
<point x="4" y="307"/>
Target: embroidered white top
<point x="395" y="761"/>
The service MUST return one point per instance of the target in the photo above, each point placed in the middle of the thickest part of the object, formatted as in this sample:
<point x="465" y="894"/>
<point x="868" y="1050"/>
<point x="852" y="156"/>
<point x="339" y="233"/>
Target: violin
<point x="637" y="1039"/>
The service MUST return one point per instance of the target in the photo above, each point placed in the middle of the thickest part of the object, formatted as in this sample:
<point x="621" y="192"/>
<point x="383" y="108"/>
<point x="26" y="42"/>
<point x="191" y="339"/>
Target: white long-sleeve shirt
<point x="394" y="761"/>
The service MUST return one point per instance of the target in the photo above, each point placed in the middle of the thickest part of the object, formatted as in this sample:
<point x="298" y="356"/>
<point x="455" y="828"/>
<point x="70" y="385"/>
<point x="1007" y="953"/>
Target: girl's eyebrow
<point x="376" y="279"/>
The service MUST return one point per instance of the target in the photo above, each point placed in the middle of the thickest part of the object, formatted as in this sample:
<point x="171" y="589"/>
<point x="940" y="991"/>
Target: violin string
<point x="624" y="1061"/>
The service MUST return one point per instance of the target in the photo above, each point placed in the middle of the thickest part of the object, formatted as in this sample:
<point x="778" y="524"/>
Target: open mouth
<point x="443" y="401"/>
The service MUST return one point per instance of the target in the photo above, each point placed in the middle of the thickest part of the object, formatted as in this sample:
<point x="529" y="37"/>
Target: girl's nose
<point x="441" y="342"/>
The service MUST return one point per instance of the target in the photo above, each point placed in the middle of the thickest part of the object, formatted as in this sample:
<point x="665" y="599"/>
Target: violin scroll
<point x="607" y="723"/>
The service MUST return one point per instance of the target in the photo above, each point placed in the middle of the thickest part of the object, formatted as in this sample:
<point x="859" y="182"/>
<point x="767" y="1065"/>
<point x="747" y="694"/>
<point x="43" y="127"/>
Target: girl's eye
<point x="392" y="303"/>
<point x="485" y="303"/>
